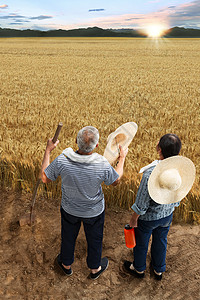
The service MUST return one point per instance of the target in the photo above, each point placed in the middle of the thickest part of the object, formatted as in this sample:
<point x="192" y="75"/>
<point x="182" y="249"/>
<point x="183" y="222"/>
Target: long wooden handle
<point x="35" y="193"/>
<point x="33" y="200"/>
<point x="57" y="133"/>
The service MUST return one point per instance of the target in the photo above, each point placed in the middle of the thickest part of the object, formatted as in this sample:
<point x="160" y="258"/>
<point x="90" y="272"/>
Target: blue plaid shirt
<point x="144" y="205"/>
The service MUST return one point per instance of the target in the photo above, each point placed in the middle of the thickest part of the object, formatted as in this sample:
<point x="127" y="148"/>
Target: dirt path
<point x="27" y="259"/>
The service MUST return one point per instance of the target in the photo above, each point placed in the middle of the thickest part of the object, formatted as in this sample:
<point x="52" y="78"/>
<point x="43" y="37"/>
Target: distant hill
<point x="176" y="32"/>
<point x="180" y="32"/>
<point x="82" y="32"/>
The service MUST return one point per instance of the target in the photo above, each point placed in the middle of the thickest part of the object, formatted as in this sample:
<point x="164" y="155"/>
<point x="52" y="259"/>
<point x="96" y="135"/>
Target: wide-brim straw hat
<point x="123" y="136"/>
<point x="171" y="180"/>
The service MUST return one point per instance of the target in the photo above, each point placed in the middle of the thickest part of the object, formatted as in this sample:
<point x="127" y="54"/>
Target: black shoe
<point x="104" y="266"/>
<point x="152" y="271"/>
<point x="157" y="276"/>
<point x="127" y="265"/>
<point x="67" y="272"/>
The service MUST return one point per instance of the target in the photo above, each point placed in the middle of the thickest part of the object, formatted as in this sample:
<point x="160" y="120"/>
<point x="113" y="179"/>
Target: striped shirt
<point x="82" y="194"/>
<point x="144" y="205"/>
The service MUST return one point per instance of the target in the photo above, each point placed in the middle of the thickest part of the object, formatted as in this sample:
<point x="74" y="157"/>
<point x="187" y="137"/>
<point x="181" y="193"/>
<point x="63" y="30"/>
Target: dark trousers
<point x="159" y="230"/>
<point x="93" y="227"/>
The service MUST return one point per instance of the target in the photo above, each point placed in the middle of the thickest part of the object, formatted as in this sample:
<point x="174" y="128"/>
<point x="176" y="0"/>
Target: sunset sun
<point x="155" y="30"/>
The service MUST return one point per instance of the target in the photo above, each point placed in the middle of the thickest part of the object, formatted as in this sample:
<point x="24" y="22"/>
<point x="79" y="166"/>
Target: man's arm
<point x="46" y="160"/>
<point x="120" y="166"/>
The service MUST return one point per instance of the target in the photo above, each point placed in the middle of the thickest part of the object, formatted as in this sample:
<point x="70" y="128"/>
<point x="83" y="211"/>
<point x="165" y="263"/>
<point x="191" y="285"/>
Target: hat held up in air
<point x="171" y="180"/>
<point x="122" y="136"/>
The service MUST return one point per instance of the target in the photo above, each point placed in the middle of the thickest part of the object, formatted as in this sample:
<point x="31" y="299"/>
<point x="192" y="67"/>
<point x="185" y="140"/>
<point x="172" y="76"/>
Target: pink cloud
<point x="3" y="6"/>
<point x="186" y="5"/>
<point x="132" y="20"/>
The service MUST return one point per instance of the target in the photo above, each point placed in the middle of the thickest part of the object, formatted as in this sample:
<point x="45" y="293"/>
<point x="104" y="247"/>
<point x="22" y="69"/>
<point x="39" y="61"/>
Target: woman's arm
<point x="134" y="219"/>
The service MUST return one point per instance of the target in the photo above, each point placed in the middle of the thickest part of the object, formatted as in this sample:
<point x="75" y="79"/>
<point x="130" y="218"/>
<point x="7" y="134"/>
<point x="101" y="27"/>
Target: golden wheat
<point x="102" y="82"/>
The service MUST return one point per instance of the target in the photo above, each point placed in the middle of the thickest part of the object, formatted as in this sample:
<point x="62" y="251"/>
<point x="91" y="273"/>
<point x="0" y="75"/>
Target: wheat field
<point x="102" y="82"/>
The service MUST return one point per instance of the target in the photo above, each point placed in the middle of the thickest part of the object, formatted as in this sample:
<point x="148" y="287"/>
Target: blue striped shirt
<point x="144" y="205"/>
<point x="82" y="194"/>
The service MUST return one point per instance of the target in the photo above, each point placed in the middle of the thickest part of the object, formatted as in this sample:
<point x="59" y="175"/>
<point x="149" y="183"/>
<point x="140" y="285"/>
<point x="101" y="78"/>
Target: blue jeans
<point x="93" y="227"/>
<point x="159" y="230"/>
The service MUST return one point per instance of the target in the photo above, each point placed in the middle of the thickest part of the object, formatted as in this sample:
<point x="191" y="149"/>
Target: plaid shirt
<point x="146" y="207"/>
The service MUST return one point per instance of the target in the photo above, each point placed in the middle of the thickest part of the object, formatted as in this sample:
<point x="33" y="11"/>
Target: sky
<point x="116" y="14"/>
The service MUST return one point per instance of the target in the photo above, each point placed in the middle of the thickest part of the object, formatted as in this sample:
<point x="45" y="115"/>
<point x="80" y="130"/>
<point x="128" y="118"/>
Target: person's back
<point x="82" y="176"/>
<point x="82" y="173"/>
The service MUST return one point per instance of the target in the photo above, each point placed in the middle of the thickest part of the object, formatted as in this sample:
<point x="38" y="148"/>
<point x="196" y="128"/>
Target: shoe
<point x="104" y="266"/>
<point x="158" y="276"/>
<point x="128" y="266"/>
<point x="67" y="272"/>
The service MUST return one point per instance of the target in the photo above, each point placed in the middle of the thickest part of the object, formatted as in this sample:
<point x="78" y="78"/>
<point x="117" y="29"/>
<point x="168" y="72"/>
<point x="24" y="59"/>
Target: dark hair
<point x="170" y="145"/>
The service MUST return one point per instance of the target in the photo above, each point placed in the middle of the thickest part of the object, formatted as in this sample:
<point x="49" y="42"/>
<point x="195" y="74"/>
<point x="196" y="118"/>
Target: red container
<point x="129" y="234"/>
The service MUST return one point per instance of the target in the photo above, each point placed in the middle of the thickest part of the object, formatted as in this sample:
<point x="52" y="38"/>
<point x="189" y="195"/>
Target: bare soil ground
<point x="27" y="258"/>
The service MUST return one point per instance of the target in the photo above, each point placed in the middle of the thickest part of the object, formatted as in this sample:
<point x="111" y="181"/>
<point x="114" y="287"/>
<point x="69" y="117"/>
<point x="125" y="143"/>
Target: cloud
<point x="21" y="21"/>
<point x="186" y="15"/>
<point x="16" y="23"/>
<point x="191" y="9"/>
<point x="132" y="19"/>
<point x="16" y="19"/>
<point x="3" y="6"/>
<point x="13" y="16"/>
<point x="42" y="17"/>
<point x="96" y="9"/>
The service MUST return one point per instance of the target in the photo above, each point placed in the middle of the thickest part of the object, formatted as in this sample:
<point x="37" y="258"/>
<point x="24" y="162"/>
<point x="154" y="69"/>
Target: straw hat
<point x="171" y="180"/>
<point x="123" y="136"/>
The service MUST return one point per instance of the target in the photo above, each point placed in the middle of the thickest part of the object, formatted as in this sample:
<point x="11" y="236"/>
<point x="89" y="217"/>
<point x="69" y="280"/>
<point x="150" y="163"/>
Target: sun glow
<point x="155" y="30"/>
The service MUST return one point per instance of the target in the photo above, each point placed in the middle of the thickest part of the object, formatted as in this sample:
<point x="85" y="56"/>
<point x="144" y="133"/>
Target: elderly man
<point x="82" y="173"/>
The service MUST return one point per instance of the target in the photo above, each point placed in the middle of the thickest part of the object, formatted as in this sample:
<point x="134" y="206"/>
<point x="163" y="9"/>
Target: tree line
<point x="175" y="32"/>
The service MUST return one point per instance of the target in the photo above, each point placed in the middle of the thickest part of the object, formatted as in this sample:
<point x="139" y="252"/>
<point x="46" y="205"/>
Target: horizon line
<point x="135" y="29"/>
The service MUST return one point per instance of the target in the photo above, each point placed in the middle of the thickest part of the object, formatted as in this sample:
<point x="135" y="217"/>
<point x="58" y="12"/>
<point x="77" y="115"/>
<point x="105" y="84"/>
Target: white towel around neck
<point x="93" y="158"/>
<point x="154" y="163"/>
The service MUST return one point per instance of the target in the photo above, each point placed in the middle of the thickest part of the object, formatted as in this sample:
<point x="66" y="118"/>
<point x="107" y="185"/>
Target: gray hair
<point x="87" y="139"/>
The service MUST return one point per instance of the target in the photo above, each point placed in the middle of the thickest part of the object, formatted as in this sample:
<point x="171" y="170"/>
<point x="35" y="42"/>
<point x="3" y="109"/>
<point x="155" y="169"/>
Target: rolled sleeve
<point x="52" y="170"/>
<point x="138" y="210"/>
<point x="143" y="199"/>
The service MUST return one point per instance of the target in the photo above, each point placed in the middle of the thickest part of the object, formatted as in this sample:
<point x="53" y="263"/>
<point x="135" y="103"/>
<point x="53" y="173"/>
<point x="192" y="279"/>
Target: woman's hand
<point x="134" y="219"/>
